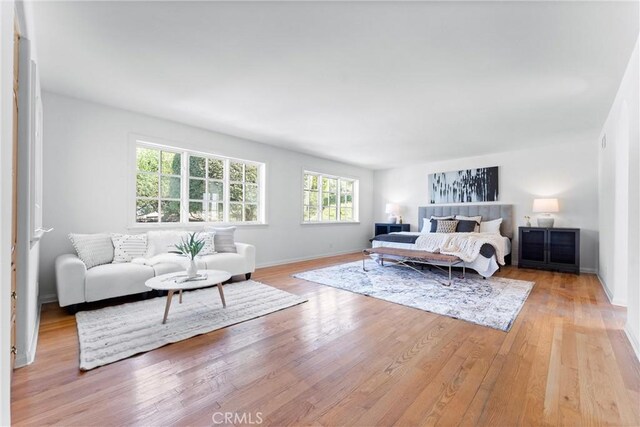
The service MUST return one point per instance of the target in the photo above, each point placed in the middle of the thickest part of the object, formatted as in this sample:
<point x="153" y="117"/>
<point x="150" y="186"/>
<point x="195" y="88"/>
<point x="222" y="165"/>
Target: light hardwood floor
<point x="346" y="359"/>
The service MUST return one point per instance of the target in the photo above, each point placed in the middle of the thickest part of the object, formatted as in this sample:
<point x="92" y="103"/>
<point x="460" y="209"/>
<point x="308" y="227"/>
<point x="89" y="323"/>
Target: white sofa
<point x="77" y="284"/>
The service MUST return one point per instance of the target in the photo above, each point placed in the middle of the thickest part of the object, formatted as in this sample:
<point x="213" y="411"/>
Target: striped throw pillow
<point x="224" y="239"/>
<point x="445" y="226"/>
<point x="128" y="246"/>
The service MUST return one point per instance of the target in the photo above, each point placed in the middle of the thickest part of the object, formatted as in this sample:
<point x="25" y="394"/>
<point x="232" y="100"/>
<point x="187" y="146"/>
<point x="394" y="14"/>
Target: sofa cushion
<point x="171" y="267"/>
<point x="167" y="267"/>
<point x="163" y="241"/>
<point x="113" y="280"/>
<point x="231" y="262"/>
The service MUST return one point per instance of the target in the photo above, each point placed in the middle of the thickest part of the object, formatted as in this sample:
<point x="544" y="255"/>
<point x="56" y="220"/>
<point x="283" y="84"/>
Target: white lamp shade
<point x="545" y="205"/>
<point x="391" y="208"/>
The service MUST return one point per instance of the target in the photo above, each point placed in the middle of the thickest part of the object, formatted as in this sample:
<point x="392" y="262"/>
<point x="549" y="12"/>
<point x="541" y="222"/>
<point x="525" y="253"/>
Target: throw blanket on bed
<point x="466" y="246"/>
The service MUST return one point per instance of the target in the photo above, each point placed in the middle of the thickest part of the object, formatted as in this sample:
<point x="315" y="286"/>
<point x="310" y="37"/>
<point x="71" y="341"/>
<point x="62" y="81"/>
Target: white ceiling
<point x="373" y="84"/>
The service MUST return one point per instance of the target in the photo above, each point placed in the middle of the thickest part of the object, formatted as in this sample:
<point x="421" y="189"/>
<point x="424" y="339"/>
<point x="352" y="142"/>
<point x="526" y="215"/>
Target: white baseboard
<point x="585" y="270"/>
<point x="633" y="340"/>
<point x="27" y="357"/>
<point x="619" y="302"/>
<point x="46" y="299"/>
<point x="307" y="258"/>
<point x="606" y="289"/>
<point x="609" y="294"/>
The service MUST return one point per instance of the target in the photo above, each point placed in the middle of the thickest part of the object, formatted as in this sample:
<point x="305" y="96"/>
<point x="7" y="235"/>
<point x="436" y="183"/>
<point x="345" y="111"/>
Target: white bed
<point x="486" y="267"/>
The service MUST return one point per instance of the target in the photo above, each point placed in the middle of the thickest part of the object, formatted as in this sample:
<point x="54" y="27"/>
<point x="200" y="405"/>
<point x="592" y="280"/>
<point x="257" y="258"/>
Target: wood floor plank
<point x="347" y="359"/>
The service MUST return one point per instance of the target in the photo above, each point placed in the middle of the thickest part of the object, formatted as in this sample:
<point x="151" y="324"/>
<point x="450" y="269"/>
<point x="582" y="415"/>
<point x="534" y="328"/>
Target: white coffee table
<point x="171" y="282"/>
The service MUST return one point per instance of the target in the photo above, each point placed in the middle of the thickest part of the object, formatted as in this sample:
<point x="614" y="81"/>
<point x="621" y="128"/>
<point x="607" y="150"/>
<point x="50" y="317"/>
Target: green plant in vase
<point x="190" y="247"/>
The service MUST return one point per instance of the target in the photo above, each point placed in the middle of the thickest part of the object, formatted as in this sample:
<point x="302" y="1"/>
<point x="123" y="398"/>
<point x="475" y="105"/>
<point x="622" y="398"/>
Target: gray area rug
<point x="494" y="302"/>
<point x="115" y="333"/>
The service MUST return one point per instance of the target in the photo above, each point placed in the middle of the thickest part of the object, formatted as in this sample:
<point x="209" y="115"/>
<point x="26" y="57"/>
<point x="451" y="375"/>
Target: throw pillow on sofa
<point x="224" y="239"/>
<point x="128" y="246"/>
<point x="209" y="247"/>
<point x="93" y="249"/>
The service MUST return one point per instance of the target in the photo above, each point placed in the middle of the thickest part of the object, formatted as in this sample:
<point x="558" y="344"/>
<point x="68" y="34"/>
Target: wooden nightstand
<point x="549" y="248"/>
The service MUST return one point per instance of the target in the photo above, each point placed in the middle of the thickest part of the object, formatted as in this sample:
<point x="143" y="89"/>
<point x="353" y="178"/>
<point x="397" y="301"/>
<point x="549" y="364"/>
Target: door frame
<point x="7" y="22"/>
<point x="14" y="195"/>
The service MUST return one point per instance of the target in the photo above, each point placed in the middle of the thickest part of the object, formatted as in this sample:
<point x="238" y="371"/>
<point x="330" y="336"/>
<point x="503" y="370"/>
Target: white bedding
<point x="484" y="266"/>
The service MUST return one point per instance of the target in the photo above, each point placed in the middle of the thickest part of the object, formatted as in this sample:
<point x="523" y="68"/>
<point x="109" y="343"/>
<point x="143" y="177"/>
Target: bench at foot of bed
<point x="405" y="256"/>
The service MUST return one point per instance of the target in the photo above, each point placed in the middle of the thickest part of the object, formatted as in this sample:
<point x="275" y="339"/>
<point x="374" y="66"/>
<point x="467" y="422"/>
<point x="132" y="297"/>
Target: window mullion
<point x="339" y="197"/>
<point x="205" y="196"/>
<point x="244" y="192"/>
<point x="184" y="189"/>
<point x="225" y="186"/>
<point x="320" y="197"/>
<point x="159" y="186"/>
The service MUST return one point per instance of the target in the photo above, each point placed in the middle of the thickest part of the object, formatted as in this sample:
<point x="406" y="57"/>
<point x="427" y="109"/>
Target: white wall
<point x="619" y="165"/>
<point x="566" y="171"/>
<point x="86" y="184"/>
<point x="6" y="148"/>
<point x="28" y="304"/>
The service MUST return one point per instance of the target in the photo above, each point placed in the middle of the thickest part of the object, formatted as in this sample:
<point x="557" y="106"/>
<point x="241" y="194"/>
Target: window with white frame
<point x="182" y="186"/>
<point x="244" y="192"/>
<point x="328" y="198"/>
<point x="206" y="189"/>
<point x="158" y="185"/>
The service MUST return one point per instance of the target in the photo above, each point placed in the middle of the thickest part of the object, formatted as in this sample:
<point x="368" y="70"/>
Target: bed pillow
<point x="492" y="227"/>
<point x="426" y="225"/>
<point x="446" y="226"/>
<point x="93" y="249"/>
<point x="128" y="246"/>
<point x="466" y="226"/>
<point x="477" y="219"/>
<point x="434" y="222"/>
<point x="224" y="240"/>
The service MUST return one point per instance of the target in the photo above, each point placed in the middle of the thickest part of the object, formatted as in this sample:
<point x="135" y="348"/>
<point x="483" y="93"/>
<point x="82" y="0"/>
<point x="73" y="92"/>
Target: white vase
<point x="192" y="269"/>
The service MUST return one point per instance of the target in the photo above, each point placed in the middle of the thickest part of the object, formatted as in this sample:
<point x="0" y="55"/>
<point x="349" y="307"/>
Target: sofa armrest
<point x="70" y="273"/>
<point x="248" y="252"/>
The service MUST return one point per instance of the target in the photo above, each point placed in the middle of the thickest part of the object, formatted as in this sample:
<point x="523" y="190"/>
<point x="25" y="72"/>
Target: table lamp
<point x="392" y="209"/>
<point x="545" y="207"/>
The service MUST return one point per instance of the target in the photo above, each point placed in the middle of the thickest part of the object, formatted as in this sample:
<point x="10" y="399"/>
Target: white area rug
<point x="115" y="333"/>
<point x="494" y="302"/>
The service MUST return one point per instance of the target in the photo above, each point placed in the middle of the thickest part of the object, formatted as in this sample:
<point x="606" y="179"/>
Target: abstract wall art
<point x="464" y="186"/>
